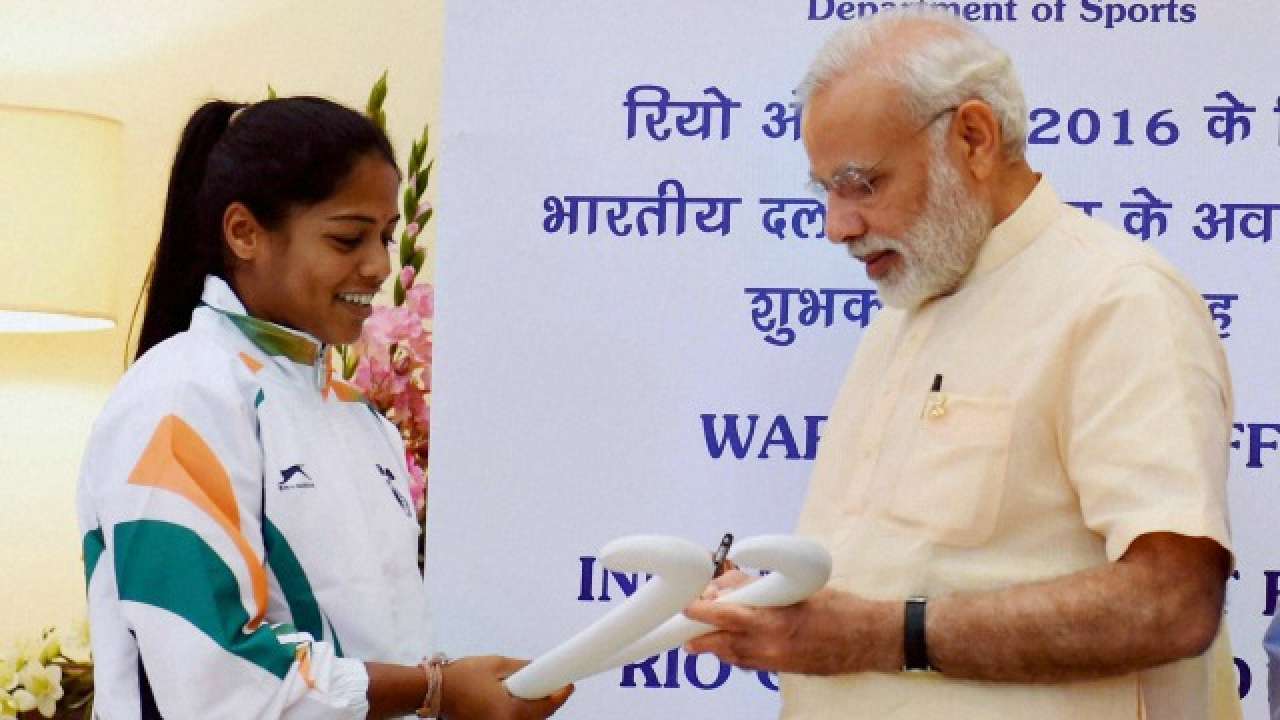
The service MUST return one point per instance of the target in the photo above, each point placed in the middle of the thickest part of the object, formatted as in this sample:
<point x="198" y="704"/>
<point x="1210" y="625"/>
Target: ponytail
<point x="187" y="251"/>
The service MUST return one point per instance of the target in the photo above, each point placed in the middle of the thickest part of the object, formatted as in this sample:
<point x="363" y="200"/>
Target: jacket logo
<point x="295" y="478"/>
<point x="391" y="484"/>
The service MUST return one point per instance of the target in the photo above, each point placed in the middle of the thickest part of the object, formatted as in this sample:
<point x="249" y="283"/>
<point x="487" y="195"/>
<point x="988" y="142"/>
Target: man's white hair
<point x="947" y="68"/>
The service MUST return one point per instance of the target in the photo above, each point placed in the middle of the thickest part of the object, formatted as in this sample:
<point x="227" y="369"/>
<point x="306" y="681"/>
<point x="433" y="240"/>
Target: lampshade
<point x="59" y="220"/>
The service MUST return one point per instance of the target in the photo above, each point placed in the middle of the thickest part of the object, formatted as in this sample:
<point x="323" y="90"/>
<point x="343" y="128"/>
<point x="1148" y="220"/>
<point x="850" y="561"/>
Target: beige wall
<point x="52" y="387"/>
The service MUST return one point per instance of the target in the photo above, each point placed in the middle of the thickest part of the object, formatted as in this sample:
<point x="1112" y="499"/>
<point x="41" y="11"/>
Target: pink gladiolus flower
<point x="394" y="367"/>
<point x="393" y="360"/>
<point x="417" y="481"/>
<point x="422" y="299"/>
<point x="363" y="377"/>
<point x="401" y="360"/>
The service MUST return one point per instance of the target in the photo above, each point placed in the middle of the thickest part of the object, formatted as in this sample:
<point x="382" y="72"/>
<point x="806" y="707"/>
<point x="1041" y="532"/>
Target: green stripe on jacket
<point x="293" y="582"/>
<point x="171" y="567"/>
<point x="92" y="546"/>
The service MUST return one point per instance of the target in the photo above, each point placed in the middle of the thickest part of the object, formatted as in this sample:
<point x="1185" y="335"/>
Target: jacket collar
<point x="269" y="337"/>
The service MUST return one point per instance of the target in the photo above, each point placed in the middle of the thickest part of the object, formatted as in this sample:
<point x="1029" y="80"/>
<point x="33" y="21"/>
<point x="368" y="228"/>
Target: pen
<point x="936" y="405"/>
<point x="721" y="556"/>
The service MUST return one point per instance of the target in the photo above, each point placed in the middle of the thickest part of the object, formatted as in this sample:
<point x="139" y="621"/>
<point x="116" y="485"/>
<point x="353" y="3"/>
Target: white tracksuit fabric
<point x="227" y="480"/>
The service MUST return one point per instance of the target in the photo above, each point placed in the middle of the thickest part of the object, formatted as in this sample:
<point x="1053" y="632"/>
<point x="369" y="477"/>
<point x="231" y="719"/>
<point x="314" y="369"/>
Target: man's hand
<point x="831" y="633"/>
<point x="1159" y="602"/>
<point x="724" y="584"/>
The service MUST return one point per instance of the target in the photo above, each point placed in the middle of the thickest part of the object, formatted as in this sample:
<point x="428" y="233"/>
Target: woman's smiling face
<point x="319" y="270"/>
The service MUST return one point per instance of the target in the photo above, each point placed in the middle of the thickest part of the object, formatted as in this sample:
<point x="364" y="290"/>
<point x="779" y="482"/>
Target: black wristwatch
<point x="915" y="655"/>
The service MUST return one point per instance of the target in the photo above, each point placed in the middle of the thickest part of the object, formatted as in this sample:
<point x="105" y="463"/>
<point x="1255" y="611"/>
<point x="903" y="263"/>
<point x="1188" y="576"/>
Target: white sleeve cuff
<point x="349" y="684"/>
<point x="340" y="691"/>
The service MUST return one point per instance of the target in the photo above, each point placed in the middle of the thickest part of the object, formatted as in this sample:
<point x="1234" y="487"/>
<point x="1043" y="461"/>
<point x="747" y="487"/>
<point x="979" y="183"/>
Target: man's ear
<point x="979" y="132"/>
<point x="244" y="235"/>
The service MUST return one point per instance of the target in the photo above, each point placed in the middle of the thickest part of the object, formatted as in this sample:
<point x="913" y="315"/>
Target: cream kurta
<point x="1086" y="401"/>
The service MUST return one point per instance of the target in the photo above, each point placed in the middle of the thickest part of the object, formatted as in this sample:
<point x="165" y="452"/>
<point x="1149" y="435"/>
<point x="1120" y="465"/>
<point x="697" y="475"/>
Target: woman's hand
<point x="473" y="690"/>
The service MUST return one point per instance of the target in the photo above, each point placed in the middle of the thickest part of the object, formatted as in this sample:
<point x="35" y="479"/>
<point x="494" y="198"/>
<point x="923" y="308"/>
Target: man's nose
<point x="845" y="222"/>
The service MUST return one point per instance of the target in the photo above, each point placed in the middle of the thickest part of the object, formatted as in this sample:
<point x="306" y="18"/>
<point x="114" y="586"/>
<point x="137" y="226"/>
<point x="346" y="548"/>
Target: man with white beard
<point x="1022" y="481"/>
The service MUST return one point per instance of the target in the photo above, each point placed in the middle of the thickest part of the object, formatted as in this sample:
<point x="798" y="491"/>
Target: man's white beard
<point x="939" y="248"/>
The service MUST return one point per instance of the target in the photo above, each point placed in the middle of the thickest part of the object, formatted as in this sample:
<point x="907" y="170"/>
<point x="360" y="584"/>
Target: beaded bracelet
<point x="435" y="685"/>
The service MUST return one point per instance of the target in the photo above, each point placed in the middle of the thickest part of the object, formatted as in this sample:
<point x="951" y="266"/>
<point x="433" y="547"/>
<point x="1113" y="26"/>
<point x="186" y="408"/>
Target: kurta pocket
<point x="952" y="484"/>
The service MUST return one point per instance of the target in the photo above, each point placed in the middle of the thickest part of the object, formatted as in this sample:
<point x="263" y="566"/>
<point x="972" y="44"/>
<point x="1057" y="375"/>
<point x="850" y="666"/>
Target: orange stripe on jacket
<point x="251" y="363"/>
<point x="178" y="460"/>
<point x="328" y="375"/>
<point x="303" y="656"/>
<point x="345" y="392"/>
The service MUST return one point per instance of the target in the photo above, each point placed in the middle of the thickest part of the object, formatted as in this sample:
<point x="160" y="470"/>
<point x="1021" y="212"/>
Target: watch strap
<point x="915" y="654"/>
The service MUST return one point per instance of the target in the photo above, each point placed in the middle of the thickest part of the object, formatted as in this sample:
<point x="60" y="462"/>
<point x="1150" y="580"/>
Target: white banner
<point x="640" y="330"/>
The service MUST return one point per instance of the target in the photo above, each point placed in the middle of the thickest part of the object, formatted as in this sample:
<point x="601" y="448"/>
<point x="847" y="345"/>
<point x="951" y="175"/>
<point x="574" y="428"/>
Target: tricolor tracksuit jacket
<point x="248" y="535"/>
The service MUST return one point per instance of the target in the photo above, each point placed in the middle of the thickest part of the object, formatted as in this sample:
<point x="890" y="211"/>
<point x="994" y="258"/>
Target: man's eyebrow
<point x="842" y="170"/>
<point x="853" y="168"/>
